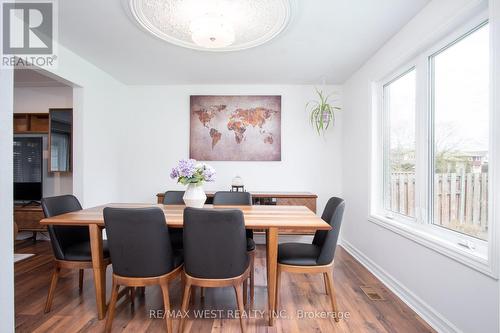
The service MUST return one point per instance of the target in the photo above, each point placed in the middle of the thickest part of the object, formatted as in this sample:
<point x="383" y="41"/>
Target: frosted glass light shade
<point x="212" y="32"/>
<point x="213" y="25"/>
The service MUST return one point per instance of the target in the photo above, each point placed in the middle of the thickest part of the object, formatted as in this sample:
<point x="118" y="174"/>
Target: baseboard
<point x="261" y="238"/>
<point x="424" y="310"/>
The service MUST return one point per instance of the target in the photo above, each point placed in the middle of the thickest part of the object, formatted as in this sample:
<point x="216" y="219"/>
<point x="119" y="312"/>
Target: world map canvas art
<point x="235" y="128"/>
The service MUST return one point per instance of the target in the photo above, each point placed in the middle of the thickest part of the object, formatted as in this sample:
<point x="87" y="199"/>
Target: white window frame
<point x="421" y="229"/>
<point x="386" y="144"/>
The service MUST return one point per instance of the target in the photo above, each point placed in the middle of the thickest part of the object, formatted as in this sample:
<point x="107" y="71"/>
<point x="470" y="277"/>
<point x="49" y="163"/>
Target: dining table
<point x="270" y="218"/>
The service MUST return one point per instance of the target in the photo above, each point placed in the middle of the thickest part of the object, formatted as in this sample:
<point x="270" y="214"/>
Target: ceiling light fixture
<point x="212" y="31"/>
<point x="213" y="25"/>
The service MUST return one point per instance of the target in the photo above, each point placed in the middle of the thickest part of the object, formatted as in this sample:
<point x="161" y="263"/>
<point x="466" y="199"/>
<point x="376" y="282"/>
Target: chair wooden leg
<point x="239" y="298"/>
<point x="325" y="278"/>
<point x="80" y="280"/>
<point x="184" y="306"/>
<point x="278" y="285"/>
<point x="192" y="295"/>
<point x="143" y="290"/>
<point x="331" y="292"/>
<point x="166" y="304"/>
<point x="53" y="284"/>
<point x="252" y="277"/>
<point x="132" y="296"/>
<point x="202" y="292"/>
<point x="112" y="305"/>
<point x="245" y="291"/>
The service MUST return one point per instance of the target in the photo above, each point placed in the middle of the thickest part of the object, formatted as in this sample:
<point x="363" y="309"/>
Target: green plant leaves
<point x="322" y="113"/>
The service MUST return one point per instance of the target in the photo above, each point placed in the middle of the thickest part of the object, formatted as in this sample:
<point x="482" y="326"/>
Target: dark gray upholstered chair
<point x="70" y="245"/>
<point x="215" y="253"/>
<point x="229" y="198"/>
<point x="318" y="256"/>
<point x="142" y="254"/>
<point x="174" y="198"/>
<point x="232" y="198"/>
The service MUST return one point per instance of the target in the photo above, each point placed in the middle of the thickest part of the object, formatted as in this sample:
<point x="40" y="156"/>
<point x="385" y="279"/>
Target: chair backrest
<point x="173" y="198"/>
<point x="229" y="198"/>
<point x="327" y="239"/>
<point x="214" y="243"/>
<point x="232" y="198"/>
<point x="62" y="236"/>
<point x="139" y="241"/>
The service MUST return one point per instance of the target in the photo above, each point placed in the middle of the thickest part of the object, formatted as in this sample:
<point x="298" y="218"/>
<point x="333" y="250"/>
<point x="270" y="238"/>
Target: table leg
<point x="99" y="269"/>
<point x="267" y="257"/>
<point x="272" y="266"/>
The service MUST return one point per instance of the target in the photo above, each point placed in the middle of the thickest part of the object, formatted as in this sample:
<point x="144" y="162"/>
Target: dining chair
<point x="174" y="198"/>
<point x="142" y="254"/>
<point x="316" y="257"/>
<point x="70" y="244"/>
<point x="215" y="253"/>
<point x="229" y="198"/>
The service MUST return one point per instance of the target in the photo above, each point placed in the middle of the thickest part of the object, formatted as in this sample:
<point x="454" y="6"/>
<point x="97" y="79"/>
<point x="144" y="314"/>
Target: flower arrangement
<point x="189" y="172"/>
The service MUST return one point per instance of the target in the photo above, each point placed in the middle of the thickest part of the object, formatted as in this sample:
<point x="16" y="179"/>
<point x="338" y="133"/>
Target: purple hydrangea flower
<point x="190" y="172"/>
<point x="186" y="168"/>
<point x="208" y="173"/>
<point x="174" y="173"/>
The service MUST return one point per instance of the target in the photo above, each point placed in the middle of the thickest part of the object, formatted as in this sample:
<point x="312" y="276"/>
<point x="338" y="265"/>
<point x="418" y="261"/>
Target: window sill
<point x="422" y="234"/>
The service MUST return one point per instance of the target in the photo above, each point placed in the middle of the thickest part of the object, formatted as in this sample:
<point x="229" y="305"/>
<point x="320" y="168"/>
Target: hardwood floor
<point x="74" y="312"/>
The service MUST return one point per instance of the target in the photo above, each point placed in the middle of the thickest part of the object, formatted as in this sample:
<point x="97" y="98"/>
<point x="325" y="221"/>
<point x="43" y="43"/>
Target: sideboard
<point x="271" y="198"/>
<point x="28" y="218"/>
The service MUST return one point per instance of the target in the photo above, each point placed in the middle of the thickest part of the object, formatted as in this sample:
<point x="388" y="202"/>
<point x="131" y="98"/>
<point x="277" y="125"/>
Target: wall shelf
<point x="31" y="123"/>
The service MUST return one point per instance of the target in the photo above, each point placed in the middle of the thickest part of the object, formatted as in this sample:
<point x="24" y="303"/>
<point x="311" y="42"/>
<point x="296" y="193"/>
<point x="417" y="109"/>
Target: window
<point x="432" y="154"/>
<point x="460" y="103"/>
<point x="399" y="161"/>
<point x="59" y="157"/>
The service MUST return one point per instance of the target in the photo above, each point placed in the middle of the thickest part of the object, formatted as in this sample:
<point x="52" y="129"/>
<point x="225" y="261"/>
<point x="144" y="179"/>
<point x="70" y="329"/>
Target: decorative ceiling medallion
<point x="213" y="25"/>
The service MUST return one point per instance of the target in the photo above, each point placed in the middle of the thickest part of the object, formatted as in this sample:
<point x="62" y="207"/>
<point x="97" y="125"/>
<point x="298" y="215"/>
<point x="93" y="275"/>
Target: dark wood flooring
<point x="72" y="312"/>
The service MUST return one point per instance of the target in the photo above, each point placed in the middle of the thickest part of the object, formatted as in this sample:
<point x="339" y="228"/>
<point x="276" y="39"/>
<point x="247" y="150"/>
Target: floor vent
<point x="372" y="293"/>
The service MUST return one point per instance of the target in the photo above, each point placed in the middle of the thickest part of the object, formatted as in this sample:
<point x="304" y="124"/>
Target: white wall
<point x="451" y="296"/>
<point x="156" y="135"/>
<point x="99" y="101"/>
<point x="6" y="204"/>
<point x="40" y="100"/>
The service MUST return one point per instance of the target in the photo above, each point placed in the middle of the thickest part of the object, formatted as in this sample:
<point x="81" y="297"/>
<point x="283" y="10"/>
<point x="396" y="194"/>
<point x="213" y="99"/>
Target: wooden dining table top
<point x="256" y="216"/>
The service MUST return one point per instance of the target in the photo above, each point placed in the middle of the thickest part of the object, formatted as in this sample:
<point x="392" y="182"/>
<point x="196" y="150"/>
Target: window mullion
<point x="422" y="170"/>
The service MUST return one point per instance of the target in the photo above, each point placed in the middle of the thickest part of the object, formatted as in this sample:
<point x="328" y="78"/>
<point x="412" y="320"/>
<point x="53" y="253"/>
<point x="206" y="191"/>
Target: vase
<point x="194" y="196"/>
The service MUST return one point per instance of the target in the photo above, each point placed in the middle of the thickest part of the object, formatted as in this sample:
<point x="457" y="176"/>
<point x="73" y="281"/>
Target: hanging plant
<point x="322" y="113"/>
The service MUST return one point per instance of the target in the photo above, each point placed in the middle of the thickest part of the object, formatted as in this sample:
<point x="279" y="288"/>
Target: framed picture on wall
<point x="235" y="128"/>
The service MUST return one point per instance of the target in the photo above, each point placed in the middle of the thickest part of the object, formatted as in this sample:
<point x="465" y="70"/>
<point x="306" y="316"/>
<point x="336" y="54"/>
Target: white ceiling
<point x="326" y="39"/>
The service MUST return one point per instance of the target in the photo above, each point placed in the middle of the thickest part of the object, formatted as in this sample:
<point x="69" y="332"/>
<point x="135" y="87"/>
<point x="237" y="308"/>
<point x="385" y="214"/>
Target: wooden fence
<point x="460" y="200"/>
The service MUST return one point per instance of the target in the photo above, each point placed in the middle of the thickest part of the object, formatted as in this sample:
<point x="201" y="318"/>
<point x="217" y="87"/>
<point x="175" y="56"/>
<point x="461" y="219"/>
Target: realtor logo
<point x="28" y="31"/>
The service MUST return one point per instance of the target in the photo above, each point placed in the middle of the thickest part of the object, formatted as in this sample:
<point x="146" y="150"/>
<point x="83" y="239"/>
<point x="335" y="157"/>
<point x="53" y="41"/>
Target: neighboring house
<point x="475" y="161"/>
